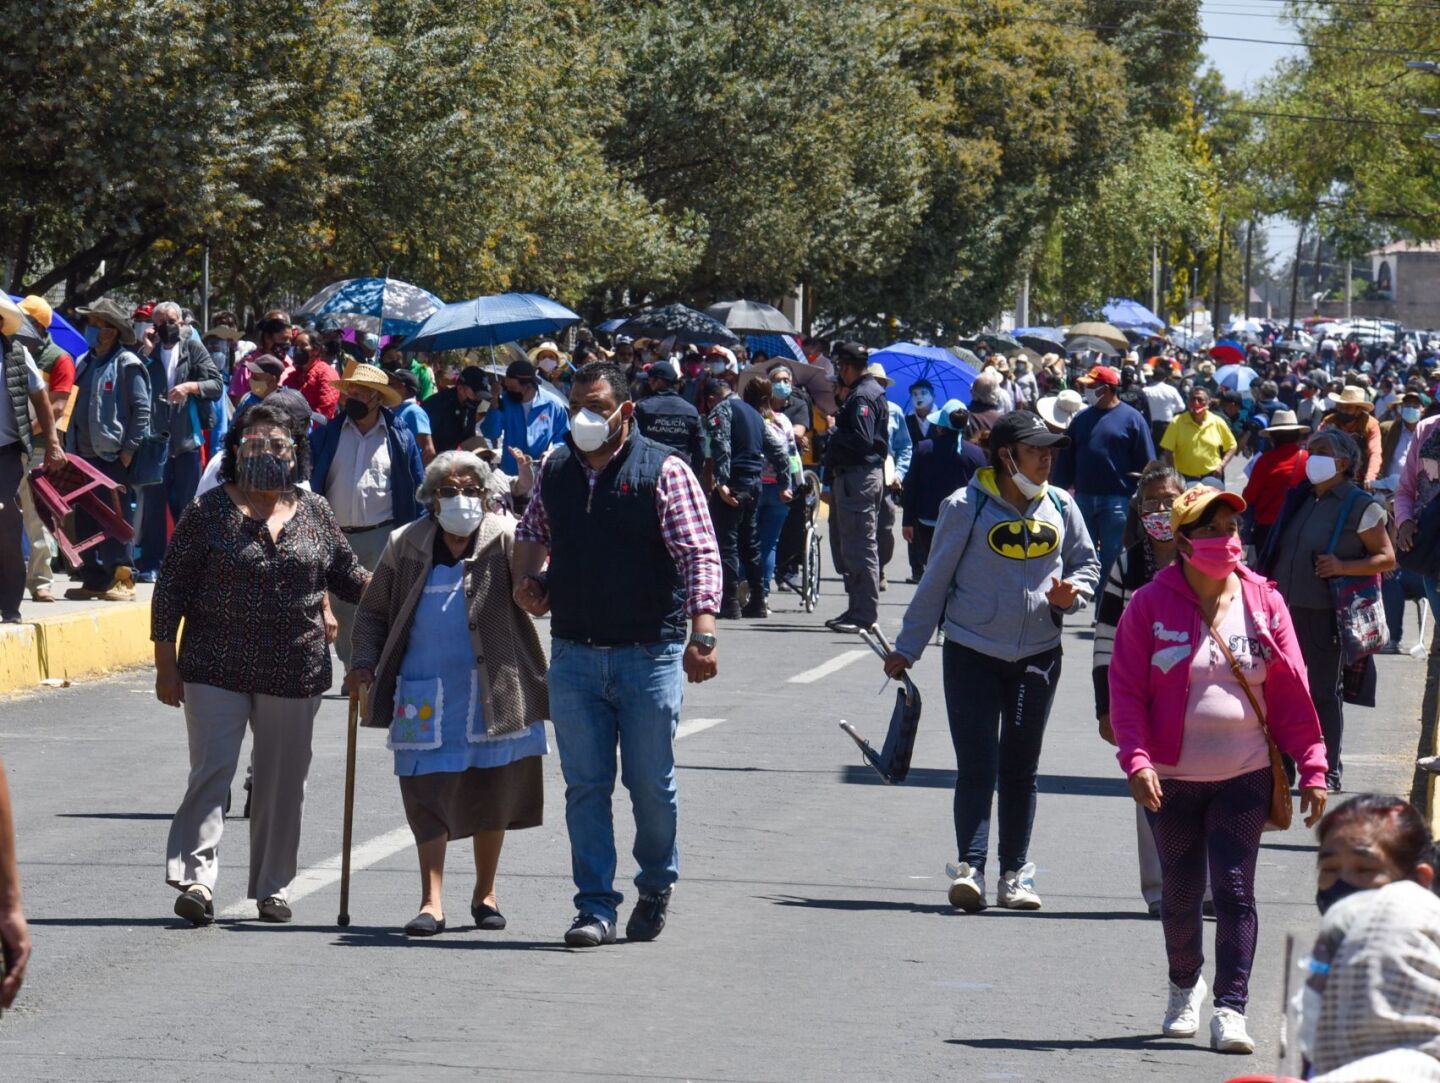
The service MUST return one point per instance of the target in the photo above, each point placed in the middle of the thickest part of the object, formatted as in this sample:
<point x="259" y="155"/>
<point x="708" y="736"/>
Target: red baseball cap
<point x="143" y="311"/>
<point x="1100" y="374"/>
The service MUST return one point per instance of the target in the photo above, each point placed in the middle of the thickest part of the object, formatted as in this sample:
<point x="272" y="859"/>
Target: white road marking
<point x="695" y="725"/>
<point x="839" y="662"/>
<point x="319" y="876"/>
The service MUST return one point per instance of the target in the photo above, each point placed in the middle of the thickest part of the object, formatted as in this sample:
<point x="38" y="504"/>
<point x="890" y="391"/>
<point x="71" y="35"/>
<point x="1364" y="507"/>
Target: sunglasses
<point x="449" y="492"/>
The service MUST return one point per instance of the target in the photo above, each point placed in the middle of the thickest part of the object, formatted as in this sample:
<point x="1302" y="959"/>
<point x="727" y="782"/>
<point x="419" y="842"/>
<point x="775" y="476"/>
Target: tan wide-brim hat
<point x="1059" y="410"/>
<point x="223" y="330"/>
<point x="1355" y="396"/>
<point x="372" y="378"/>
<point x="107" y="311"/>
<point x="12" y="316"/>
<point x="1285" y="421"/>
<point x="877" y="370"/>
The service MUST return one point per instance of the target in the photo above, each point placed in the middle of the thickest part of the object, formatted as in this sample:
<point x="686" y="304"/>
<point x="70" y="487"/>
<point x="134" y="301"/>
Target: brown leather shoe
<point x="43" y="595"/>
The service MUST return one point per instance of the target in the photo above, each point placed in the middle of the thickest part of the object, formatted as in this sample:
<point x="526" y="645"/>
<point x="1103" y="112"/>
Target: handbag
<point x="1282" y="806"/>
<point x="1359" y="610"/>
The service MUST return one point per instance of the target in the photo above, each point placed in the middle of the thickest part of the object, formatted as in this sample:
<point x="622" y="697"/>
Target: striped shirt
<point x="684" y="524"/>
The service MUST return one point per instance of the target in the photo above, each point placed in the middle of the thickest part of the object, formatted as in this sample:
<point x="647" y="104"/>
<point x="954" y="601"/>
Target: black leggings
<point x="998" y="712"/>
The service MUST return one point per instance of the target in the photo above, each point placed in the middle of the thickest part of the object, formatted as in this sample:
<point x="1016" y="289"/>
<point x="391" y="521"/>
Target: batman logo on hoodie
<point x="1020" y="539"/>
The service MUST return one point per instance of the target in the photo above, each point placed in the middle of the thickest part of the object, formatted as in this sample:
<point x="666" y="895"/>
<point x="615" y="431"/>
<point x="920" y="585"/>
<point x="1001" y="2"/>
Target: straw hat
<point x="1355" y="396"/>
<point x="12" y="316"/>
<point x="877" y="370"/>
<point x="543" y="349"/>
<point x="1059" y="410"/>
<point x="372" y="378"/>
<point x="1285" y="421"/>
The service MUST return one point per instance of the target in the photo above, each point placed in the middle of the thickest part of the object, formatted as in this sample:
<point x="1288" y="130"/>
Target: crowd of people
<point x="311" y="487"/>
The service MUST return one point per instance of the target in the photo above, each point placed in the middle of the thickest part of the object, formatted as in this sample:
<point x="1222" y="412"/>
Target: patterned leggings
<point x="1222" y="819"/>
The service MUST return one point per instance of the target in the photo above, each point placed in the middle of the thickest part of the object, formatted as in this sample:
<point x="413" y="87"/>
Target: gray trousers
<point x="855" y="495"/>
<point x="38" y="576"/>
<point x="215" y="720"/>
<point x="368" y="545"/>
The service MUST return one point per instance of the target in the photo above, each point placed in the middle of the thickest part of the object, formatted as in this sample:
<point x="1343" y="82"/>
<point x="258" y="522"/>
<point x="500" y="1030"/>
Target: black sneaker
<point x="844" y="625"/>
<point x="245" y="812"/>
<point x="196" y="907"/>
<point x="275" y="910"/>
<point x="647" y="920"/>
<point x="729" y="612"/>
<point x="756" y="612"/>
<point x="589" y="931"/>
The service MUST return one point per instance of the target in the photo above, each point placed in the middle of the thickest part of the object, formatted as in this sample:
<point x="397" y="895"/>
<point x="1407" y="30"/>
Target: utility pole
<point x="1219" y="271"/>
<point x="1348" y="270"/>
<point x="1155" y="278"/>
<point x="1249" y="245"/>
<point x="1295" y="274"/>
<point x="205" y="292"/>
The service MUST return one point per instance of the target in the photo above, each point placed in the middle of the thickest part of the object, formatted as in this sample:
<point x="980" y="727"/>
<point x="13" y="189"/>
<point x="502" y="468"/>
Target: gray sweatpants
<point x="856" y="495"/>
<point x="215" y="720"/>
<point x="368" y="545"/>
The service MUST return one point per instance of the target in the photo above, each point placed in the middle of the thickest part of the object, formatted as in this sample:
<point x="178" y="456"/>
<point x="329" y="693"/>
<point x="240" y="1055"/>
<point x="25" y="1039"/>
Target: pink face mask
<point x="1216" y="557"/>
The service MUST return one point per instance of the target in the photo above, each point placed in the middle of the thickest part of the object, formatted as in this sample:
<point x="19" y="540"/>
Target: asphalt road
<point x="809" y="937"/>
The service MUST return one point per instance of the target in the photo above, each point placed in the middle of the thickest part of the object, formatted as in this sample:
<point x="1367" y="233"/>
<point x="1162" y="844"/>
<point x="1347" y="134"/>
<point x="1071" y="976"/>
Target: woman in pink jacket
<point x="1191" y="744"/>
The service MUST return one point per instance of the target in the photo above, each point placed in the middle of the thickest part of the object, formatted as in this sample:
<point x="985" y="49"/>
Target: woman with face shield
<point x="457" y="675"/>
<point x="247" y="571"/>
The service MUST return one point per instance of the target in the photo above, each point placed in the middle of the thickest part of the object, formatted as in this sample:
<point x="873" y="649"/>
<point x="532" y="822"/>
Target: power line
<point x="1196" y="35"/>
<point x="1367" y="122"/>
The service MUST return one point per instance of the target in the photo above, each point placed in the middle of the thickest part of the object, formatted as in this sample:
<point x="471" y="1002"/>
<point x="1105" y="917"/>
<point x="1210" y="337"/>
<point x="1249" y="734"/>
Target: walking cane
<point x="344" y="919"/>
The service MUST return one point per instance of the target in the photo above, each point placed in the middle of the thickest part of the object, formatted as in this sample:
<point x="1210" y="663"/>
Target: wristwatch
<point x="704" y="640"/>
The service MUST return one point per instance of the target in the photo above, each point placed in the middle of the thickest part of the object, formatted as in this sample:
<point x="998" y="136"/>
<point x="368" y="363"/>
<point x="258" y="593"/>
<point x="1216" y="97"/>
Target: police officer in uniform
<point x="666" y="418"/>
<point x="854" y="465"/>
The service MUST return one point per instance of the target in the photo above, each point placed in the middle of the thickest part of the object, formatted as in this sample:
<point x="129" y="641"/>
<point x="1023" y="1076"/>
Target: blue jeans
<point x="173" y="495"/>
<point x="598" y="696"/>
<point x="1105" y="519"/>
<point x="1393" y="589"/>
<point x="770" y="516"/>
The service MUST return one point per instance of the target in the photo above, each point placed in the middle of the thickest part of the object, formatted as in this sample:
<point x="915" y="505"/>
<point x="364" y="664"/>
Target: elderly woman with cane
<point x="247" y="571"/>
<point x="457" y="674"/>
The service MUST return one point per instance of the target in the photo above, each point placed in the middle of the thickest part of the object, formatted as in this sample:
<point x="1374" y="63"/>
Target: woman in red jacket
<point x="1277" y="470"/>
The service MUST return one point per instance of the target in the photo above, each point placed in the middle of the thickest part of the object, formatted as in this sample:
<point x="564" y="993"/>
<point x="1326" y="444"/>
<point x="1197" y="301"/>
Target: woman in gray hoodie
<point x="1011" y="556"/>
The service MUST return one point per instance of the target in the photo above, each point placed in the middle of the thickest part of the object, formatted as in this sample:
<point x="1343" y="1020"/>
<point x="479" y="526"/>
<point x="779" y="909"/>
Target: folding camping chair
<point x="79" y="485"/>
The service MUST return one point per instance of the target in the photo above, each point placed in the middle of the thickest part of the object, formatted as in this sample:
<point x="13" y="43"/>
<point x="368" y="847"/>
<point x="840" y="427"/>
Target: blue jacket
<point x="533" y="427"/>
<point x="406" y="469"/>
<point x="901" y="446"/>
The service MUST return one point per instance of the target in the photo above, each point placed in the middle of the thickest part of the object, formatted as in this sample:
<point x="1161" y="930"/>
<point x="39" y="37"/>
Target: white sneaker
<point x="967" y="888"/>
<point x="1228" y="1033"/>
<point x="1017" y="889"/>
<point x="1182" y="1013"/>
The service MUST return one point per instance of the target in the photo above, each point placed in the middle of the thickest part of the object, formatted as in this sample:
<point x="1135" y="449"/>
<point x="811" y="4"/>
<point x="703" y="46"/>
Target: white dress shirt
<point x="358" y="484"/>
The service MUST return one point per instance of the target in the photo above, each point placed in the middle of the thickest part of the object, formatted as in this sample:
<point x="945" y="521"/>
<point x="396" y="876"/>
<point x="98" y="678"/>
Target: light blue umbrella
<point x="489" y="321"/>
<point x="906" y="362"/>
<point x="382" y="306"/>
<point x="1131" y="315"/>
<point x="782" y="346"/>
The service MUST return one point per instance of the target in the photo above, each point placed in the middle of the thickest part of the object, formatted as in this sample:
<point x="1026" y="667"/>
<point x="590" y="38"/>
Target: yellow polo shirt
<point x="1198" y="448"/>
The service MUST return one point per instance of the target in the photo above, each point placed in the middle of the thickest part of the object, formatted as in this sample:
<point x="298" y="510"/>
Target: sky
<point x="1244" y="63"/>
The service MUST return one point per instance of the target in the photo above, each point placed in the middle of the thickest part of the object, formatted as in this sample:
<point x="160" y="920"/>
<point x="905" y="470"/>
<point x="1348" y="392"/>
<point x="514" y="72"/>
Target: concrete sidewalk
<point x="65" y="640"/>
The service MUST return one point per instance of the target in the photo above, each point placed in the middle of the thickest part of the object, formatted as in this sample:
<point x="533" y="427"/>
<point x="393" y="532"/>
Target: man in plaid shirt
<point x="632" y="587"/>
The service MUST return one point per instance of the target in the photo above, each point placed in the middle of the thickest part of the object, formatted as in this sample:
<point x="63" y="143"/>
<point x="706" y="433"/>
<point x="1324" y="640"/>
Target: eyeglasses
<point x="450" y="492"/>
<point x="1149" y="507"/>
<point x="278" y="445"/>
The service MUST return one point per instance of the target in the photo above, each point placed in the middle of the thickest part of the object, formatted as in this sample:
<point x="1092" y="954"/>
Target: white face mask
<point x="1320" y="469"/>
<point x="1028" y="489"/>
<point x="590" y="431"/>
<point x="1092" y="397"/>
<point x="460" y="515"/>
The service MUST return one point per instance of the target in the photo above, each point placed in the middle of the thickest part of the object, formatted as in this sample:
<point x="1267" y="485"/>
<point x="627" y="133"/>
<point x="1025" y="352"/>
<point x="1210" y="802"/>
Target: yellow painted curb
<point x="75" y="645"/>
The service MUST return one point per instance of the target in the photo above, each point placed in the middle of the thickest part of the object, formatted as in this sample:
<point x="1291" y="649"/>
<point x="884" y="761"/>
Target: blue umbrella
<point x="775" y="346"/>
<point x="906" y="362"/>
<point x="1236" y="377"/>
<point x="1127" y="314"/>
<point x="489" y="321"/>
<point x="384" y="306"/>
<point x="65" y="334"/>
<point x="610" y="326"/>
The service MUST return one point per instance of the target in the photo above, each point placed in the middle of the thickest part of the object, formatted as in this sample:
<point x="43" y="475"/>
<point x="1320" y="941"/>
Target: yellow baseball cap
<point x="38" y="309"/>
<point x="1191" y="504"/>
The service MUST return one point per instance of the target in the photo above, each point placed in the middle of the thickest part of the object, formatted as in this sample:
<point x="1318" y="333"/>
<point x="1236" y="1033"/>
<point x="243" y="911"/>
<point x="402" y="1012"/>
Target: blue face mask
<point x="780" y="391"/>
<point x="92" y="336"/>
<point x="1410" y="414"/>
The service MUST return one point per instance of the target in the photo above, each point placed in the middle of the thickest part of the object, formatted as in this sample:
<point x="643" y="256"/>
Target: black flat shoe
<point x="194" y="907"/>
<point x="487" y="917"/>
<point x="424" y="924"/>
<point x="275" y="910"/>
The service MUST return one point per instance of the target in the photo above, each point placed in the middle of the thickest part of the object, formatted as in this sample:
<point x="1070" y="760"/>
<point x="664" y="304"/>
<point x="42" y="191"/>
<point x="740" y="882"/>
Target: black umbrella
<point x="1042" y="345"/>
<point x="685" y="324"/>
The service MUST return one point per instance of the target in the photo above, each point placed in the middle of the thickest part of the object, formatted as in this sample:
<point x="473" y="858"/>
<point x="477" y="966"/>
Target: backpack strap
<point x="1344" y="517"/>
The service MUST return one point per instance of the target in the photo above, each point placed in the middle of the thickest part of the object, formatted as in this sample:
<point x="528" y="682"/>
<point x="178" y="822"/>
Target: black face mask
<point x="517" y="397"/>
<point x="356" y="410"/>
<point x="332" y="349"/>
<point x="168" y="334"/>
<point x="266" y="473"/>
<point x="1327" y="897"/>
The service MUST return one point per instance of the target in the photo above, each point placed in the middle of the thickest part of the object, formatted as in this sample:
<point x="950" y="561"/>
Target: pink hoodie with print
<point x="1150" y="674"/>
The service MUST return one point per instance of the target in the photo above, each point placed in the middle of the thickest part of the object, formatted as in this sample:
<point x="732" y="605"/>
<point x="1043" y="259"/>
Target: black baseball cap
<point x="264" y="364"/>
<point x="1023" y="427"/>
<point x="851" y="353"/>
<point x="408" y="379"/>
<point x="520" y="370"/>
<point x="473" y="377"/>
